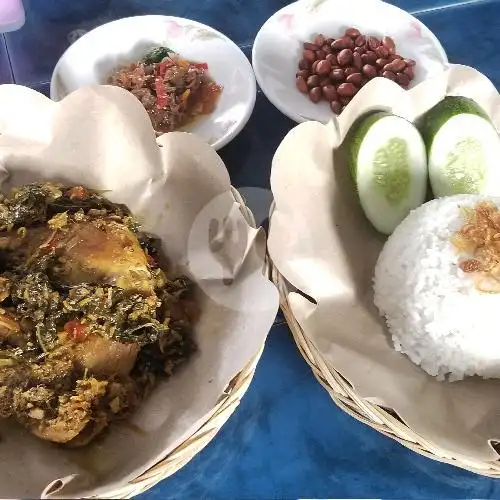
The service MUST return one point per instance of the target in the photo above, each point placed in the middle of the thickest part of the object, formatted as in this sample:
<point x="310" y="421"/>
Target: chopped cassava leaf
<point x="157" y="54"/>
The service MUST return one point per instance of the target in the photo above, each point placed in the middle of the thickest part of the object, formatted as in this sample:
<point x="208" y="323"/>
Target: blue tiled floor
<point x="286" y="439"/>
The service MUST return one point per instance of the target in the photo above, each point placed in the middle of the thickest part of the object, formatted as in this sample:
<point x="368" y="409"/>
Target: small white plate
<point x="94" y="56"/>
<point x="278" y="46"/>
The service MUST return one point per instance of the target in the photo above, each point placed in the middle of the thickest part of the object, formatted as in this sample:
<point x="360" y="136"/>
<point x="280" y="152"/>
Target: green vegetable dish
<point x="89" y="319"/>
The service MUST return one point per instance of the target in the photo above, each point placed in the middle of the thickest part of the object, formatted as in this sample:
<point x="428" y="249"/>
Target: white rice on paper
<point x="433" y="310"/>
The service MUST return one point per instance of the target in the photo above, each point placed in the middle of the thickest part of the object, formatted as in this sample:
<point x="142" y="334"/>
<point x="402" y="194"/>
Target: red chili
<point x="200" y="65"/>
<point x="76" y="329"/>
<point x="161" y="93"/>
<point x="78" y="193"/>
<point x="162" y="69"/>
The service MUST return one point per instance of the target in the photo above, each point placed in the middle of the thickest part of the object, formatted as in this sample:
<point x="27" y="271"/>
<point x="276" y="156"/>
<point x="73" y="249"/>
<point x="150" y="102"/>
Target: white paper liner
<point x="322" y="244"/>
<point x="102" y="137"/>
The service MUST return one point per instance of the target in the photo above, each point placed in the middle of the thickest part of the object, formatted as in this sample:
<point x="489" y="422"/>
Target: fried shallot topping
<point x="479" y="239"/>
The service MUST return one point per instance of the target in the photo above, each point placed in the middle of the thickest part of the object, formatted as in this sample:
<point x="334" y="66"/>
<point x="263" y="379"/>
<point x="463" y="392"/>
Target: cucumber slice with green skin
<point x="463" y="148"/>
<point x="388" y="163"/>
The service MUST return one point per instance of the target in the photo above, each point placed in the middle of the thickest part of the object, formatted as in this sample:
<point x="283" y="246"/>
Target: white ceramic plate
<point x="93" y="57"/>
<point x="278" y="46"/>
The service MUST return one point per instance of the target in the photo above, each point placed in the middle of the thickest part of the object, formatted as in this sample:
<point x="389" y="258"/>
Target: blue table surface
<point x="287" y="439"/>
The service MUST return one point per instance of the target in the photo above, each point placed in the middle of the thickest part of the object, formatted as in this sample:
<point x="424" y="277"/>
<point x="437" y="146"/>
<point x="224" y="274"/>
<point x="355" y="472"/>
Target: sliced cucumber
<point x="388" y="163"/>
<point x="463" y="148"/>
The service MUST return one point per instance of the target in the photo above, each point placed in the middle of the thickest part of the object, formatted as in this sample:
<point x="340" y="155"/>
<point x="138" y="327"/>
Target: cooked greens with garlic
<point x="89" y="319"/>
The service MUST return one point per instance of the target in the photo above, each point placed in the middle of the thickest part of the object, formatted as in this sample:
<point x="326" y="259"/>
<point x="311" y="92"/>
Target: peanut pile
<point x="335" y="69"/>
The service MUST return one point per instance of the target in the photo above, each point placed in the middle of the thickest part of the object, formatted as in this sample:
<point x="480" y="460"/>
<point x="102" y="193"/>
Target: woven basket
<point x="226" y="405"/>
<point x="344" y="396"/>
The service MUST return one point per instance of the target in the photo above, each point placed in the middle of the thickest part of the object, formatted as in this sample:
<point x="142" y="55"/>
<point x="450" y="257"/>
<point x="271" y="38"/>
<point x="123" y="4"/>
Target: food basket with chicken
<point x="88" y="318"/>
<point x="125" y="320"/>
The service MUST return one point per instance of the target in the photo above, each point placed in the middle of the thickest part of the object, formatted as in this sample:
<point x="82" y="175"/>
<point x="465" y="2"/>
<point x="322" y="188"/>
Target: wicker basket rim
<point x="345" y="397"/>
<point x="192" y="445"/>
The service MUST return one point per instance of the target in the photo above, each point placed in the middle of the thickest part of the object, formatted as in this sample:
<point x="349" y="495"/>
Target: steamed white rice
<point x="434" y="312"/>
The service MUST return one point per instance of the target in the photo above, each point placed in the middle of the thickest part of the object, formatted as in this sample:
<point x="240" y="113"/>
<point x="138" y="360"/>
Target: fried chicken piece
<point x="103" y="251"/>
<point x="10" y="330"/>
<point x="74" y="417"/>
<point x="93" y="251"/>
<point x="101" y="356"/>
<point x="122" y="397"/>
<point x="72" y="414"/>
<point x="46" y="399"/>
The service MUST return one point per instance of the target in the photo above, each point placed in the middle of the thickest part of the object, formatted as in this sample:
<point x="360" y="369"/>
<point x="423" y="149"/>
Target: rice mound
<point x="434" y="312"/>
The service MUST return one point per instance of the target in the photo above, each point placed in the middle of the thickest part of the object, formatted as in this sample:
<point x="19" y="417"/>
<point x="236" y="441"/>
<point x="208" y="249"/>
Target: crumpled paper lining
<point x="330" y="255"/>
<point x="180" y="189"/>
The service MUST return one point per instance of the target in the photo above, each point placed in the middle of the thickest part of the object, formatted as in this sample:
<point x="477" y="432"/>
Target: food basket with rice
<point x="400" y="330"/>
<point x="131" y="277"/>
